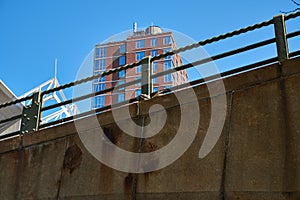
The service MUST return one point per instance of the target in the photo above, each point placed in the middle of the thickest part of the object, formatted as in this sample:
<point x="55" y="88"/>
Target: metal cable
<point x="16" y="101"/>
<point x="111" y="71"/>
<point x="10" y="119"/>
<point x="292" y="15"/>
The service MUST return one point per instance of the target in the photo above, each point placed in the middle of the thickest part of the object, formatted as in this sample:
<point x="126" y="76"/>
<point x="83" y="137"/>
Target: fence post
<point x="31" y="115"/>
<point x="146" y="76"/>
<point x="281" y="40"/>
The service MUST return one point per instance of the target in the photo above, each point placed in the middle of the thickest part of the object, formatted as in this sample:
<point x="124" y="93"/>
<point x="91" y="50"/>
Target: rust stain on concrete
<point x="73" y="158"/>
<point x="128" y="183"/>
<point x="112" y="136"/>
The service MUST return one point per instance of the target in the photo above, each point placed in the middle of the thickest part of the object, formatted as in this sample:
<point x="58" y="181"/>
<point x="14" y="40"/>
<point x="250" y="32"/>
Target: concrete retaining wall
<point x="256" y="157"/>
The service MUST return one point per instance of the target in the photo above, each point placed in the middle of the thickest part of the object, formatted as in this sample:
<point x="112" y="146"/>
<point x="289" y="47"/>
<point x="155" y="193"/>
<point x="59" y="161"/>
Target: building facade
<point x="149" y="42"/>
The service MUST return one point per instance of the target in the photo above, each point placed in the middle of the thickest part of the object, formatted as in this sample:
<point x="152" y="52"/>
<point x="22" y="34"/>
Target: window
<point x="168" y="78"/>
<point x="121" y="97"/>
<point x="139" y="55"/>
<point x="100" y="65"/>
<point x="100" y="80"/>
<point x="167" y="66"/>
<point x="97" y="72"/>
<point x="166" y="50"/>
<point x="154" y="80"/>
<point x="121" y="83"/>
<point x="122" y="48"/>
<point x="100" y="52"/>
<point x="99" y="87"/>
<point x="138" y="92"/>
<point x="122" y="74"/>
<point x="154" y="42"/>
<point x="138" y="78"/>
<point x="138" y="69"/>
<point x="99" y="102"/>
<point x="154" y="53"/>
<point x="167" y="40"/>
<point x="140" y="43"/>
<point x="122" y="60"/>
<point x="154" y="66"/>
<point x="155" y="89"/>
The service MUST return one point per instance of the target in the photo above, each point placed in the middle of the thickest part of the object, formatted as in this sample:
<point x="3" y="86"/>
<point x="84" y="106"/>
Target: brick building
<point x="152" y="41"/>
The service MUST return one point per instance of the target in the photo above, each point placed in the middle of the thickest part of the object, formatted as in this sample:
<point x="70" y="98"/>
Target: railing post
<point x="31" y="115"/>
<point x="146" y="76"/>
<point x="281" y="40"/>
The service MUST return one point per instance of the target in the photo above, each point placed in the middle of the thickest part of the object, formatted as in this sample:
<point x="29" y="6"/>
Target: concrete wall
<point x="256" y="157"/>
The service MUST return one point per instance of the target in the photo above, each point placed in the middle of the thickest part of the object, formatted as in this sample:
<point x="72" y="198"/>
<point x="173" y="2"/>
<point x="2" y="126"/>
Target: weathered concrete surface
<point x="256" y="157"/>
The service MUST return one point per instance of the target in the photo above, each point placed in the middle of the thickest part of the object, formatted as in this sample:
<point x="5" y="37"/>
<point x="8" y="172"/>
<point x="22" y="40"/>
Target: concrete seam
<point x="282" y="90"/>
<point x="227" y="140"/>
<point x="19" y="167"/>
<point x="140" y="144"/>
<point x="60" y="177"/>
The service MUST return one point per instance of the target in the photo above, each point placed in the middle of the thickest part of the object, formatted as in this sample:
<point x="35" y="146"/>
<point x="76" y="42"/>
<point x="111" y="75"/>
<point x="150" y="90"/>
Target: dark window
<point x="166" y="50"/>
<point x="99" y="102"/>
<point x="139" y="55"/>
<point x="138" y="92"/>
<point x="122" y="74"/>
<point x="154" y="53"/>
<point x="122" y="60"/>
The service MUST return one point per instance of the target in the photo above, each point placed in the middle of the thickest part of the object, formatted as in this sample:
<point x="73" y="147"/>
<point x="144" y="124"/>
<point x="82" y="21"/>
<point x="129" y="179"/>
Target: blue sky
<point x="34" y="32"/>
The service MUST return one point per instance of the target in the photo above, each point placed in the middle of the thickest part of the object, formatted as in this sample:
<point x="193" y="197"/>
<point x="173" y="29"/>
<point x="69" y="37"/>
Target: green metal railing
<point x="31" y="116"/>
